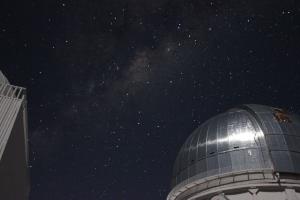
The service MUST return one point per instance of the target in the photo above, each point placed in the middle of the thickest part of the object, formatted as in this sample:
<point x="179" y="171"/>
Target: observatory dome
<point x="246" y="138"/>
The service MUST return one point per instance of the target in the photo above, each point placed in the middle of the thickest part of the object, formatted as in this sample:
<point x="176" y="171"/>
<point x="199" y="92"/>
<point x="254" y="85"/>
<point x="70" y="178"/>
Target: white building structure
<point x="251" y="152"/>
<point x="14" y="173"/>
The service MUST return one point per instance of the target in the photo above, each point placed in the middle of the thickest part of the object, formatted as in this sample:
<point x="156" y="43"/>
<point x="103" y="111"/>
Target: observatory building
<point x="251" y="152"/>
<point x="14" y="175"/>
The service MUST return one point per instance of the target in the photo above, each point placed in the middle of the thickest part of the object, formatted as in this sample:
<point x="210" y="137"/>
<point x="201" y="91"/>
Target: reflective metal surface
<point x="249" y="137"/>
<point x="12" y="100"/>
<point x="3" y="79"/>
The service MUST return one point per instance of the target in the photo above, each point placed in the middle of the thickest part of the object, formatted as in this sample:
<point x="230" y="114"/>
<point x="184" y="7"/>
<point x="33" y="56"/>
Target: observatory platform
<point x="14" y="173"/>
<point x="251" y="152"/>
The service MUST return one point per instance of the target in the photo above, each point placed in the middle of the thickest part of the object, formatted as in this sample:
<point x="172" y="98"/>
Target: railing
<point x="12" y="99"/>
<point x="11" y="91"/>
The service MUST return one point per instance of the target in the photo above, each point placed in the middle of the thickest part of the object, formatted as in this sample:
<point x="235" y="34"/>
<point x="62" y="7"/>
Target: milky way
<point x="115" y="87"/>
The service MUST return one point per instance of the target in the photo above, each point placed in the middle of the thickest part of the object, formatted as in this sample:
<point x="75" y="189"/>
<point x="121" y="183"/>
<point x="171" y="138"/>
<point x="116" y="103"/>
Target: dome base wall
<point x="243" y="186"/>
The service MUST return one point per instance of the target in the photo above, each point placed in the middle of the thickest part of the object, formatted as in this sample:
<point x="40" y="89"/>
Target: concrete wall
<point x="255" y="194"/>
<point x="14" y="176"/>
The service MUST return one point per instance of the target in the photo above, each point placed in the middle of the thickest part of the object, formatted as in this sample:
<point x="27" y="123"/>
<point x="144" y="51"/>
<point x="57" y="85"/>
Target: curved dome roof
<point x="249" y="137"/>
<point x="3" y="79"/>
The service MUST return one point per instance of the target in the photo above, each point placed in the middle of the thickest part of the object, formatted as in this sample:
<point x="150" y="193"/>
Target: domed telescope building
<point x="251" y="152"/>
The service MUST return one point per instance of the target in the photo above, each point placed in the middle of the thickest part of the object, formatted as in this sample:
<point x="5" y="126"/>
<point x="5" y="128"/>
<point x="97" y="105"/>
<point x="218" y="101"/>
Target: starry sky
<point x="115" y="87"/>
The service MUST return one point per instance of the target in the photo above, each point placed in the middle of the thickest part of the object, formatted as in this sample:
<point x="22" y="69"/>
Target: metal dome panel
<point x="282" y="135"/>
<point x="3" y="79"/>
<point x="250" y="137"/>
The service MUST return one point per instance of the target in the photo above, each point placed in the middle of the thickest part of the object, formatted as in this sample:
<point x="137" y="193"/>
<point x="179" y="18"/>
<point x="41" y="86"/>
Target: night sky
<point x="116" y="86"/>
